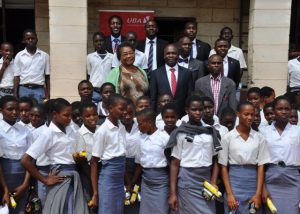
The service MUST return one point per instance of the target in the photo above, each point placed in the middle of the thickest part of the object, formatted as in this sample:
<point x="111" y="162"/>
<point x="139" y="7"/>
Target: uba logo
<point x="141" y="20"/>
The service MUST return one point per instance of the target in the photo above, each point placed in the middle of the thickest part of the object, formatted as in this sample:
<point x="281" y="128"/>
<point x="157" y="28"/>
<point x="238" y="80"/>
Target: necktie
<point x="150" y="56"/>
<point x="173" y="81"/>
<point x="186" y="60"/>
<point x="116" y="41"/>
<point x="191" y="53"/>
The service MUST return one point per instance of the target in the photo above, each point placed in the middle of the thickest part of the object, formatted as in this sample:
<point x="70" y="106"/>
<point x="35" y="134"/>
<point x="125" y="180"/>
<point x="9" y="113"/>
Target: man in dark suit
<point x="155" y="54"/>
<point x="231" y="67"/>
<point x="112" y="41"/>
<point x="171" y="79"/>
<point x="195" y="65"/>
<point x="219" y="88"/>
<point x="200" y="50"/>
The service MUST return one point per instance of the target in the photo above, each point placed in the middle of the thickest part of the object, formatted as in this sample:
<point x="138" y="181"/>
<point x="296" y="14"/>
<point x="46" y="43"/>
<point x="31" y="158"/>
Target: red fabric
<point x="173" y="81"/>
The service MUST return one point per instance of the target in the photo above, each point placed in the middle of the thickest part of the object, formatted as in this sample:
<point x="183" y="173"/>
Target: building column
<point x="68" y="46"/>
<point x="268" y="44"/>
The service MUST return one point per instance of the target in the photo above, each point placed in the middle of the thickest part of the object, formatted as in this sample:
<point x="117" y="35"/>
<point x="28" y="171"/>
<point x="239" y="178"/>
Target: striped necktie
<point x="116" y="41"/>
<point x="173" y="81"/>
<point x="150" y="56"/>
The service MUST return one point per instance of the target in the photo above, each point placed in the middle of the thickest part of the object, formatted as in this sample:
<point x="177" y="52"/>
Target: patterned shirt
<point x="215" y="84"/>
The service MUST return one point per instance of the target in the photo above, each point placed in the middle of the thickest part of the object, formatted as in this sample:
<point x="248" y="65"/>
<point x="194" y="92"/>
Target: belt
<point x="32" y="86"/>
<point x="7" y="90"/>
<point x="97" y="89"/>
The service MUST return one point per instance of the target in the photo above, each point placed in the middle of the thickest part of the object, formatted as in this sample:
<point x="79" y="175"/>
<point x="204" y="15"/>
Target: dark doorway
<point x="170" y="28"/>
<point x="294" y="48"/>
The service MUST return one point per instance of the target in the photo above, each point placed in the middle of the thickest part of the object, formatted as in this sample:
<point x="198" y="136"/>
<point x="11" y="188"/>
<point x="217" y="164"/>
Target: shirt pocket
<point x="294" y="140"/>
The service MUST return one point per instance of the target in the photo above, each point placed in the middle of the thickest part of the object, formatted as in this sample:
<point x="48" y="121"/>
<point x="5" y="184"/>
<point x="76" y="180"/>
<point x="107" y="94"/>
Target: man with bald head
<point x="171" y="79"/>
<point x="219" y="88"/>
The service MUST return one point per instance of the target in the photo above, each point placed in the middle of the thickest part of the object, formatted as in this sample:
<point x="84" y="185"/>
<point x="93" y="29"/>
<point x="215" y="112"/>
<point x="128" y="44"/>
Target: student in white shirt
<point x="109" y="147"/>
<point x="169" y="116"/>
<point x="37" y="116"/>
<point x="99" y="64"/>
<point x="132" y="144"/>
<point x="58" y="143"/>
<point x="25" y="105"/>
<point x="192" y="162"/>
<point x="7" y="69"/>
<point x="15" y="140"/>
<point x="32" y="78"/>
<point x="76" y="120"/>
<point x="150" y="156"/>
<point x="242" y="160"/>
<point x="106" y="90"/>
<point x="282" y="179"/>
<point x="294" y="73"/>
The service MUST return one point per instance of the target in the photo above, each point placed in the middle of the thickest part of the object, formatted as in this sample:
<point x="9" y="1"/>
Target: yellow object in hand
<point x="13" y="203"/>
<point x="82" y="154"/>
<point x="134" y="194"/>
<point x="212" y="189"/>
<point x="271" y="206"/>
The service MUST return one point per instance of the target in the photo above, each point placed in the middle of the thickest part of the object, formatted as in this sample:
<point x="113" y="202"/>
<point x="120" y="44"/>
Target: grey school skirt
<point x="243" y="181"/>
<point x="189" y="191"/>
<point x="154" y="191"/>
<point x="283" y="183"/>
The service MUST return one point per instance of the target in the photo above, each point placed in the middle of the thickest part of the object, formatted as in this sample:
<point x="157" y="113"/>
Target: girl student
<point x="109" y="147"/>
<point x="57" y="142"/>
<point x="84" y="145"/>
<point x="132" y="175"/>
<point x="282" y="179"/>
<point x="15" y="139"/>
<point x="170" y="117"/>
<point x="106" y="90"/>
<point x="192" y="162"/>
<point x="242" y="163"/>
<point x="150" y="156"/>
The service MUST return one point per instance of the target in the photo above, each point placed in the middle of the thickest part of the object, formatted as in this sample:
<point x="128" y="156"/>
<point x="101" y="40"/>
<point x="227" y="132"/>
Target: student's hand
<point x="265" y="195"/>
<point x="19" y="191"/>
<point x="93" y="202"/>
<point x="231" y="202"/>
<point x="6" y="63"/>
<point x="173" y="202"/>
<point x="53" y="179"/>
<point x="5" y="199"/>
<point x="77" y="158"/>
<point x="256" y="199"/>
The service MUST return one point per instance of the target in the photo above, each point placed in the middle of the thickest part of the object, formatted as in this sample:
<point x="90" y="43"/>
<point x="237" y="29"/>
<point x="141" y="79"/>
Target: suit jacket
<point x="161" y="44"/>
<point x="108" y="44"/>
<point x="198" y="69"/>
<point x="227" y="97"/>
<point x="203" y="50"/>
<point x="234" y="71"/>
<point x="160" y="85"/>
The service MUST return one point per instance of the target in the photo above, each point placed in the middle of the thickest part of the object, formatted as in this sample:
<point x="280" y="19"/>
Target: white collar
<point x="168" y="67"/>
<point x="148" y="40"/>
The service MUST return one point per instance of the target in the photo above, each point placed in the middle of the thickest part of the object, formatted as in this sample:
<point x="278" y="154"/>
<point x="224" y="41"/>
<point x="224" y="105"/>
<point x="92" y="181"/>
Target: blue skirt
<point x="154" y="191"/>
<point x="111" y="186"/>
<point x="14" y="174"/>
<point x="41" y="187"/>
<point x="243" y="181"/>
<point x="283" y="183"/>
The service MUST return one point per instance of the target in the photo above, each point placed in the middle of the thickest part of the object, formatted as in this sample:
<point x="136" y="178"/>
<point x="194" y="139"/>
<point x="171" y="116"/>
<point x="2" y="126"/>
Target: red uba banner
<point x="133" y="20"/>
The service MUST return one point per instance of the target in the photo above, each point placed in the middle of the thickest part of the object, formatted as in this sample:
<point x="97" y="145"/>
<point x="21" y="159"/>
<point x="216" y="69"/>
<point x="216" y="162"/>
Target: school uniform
<point x="185" y="118"/>
<point x="139" y="61"/>
<point x="195" y="167"/>
<point x="7" y="82"/>
<point x="14" y="141"/>
<point x="28" y="125"/>
<point x="155" y="179"/>
<point x="222" y="129"/>
<point x="102" y="113"/>
<point x="59" y="147"/>
<point x="109" y="146"/>
<point x="282" y="176"/>
<point x="74" y="126"/>
<point x="243" y="157"/>
<point x="97" y="69"/>
<point x="160" y="124"/>
<point x="32" y="70"/>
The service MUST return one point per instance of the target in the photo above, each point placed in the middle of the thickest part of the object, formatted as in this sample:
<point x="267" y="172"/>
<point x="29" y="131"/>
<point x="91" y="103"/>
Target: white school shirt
<point x="169" y="75"/>
<point x="151" y="151"/>
<point x="222" y="129"/>
<point x="185" y="118"/>
<point x="32" y="68"/>
<point x="198" y="153"/>
<point x="28" y="125"/>
<point x="160" y="124"/>
<point x="235" y="53"/>
<point x="284" y="147"/>
<point x="85" y="141"/>
<point x="133" y="140"/>
<point x="14" y="140"/>
<point x="74" y="126"/>
<point x="98" y="68"/>
<point x="147" y="48"/>
<point x="237" y="151"/>
<point x="55" y="144"/>
<point x="109" y="141"/>
<point x="101" y="110"/>
<point x="8" y="75"/>
<point x="294" y="73"/>
<point x="139" y="61"/>
<point x="42" y="160"/>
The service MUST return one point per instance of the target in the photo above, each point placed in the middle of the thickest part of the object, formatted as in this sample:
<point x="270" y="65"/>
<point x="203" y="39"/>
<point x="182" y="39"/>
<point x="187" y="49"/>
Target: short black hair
<point x="27" y="100"/>
<point x="207" y="99"/>
<point x="59" y="104"/>
<point x="123" y="45"/>
<point x="76" y="105"/>
<point x="169" y="106"/>
<point x="190" y="22"/>
<point x="243" y="104"/>
<point x="268" y="105"/>
<point x="143" y="97"/>
<point x="115" y="16"/>
<point x="7" y="98"/>
<point x="107" y="84"/>
<point x="219" y="40"/>
<point x="255" y="90"/>
<point x="28" y="30"/>
<point x="114" y="99"/>
<point x="266" y="91"/>
<point x="86" y="104"/>
<point x="6" y="43"/>
<point x="227" y="112"/>
<point x="225" y="28"/>
<point x="148" y="114"/>
<point x="41" y="108"/>
<point x="84" y="82"/>
<point x="191" y="99"/>
<point x="48" y="106"/>
<point x="98" y="34"/>
<point x="279" y="98"/>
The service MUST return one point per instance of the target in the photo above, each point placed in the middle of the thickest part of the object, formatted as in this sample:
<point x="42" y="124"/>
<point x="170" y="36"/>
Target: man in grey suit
<point x="194" y="65"/>
<point x="221" y="89"/>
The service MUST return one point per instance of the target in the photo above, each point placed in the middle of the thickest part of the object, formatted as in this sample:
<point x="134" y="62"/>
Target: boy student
<point x="7" y="69"/>
<point x="99" y="63"/>
<point x="85" y="90"/>
<point x="267" y="95"/>
<point x="32" y="78"/>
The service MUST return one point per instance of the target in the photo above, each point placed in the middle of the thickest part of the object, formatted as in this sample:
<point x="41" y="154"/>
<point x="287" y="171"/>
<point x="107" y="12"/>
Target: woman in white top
<point x="242" y="163"/>
<point x="15" y="139"/>
<point x="155" y="179"/>
<point x="282" y="182"/>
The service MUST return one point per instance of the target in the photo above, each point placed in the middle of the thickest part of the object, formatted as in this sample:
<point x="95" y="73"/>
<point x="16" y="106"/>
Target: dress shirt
<point x="160" y="124"/>
<point x="194" y="47"/>
<point x="147" y="48"/>
<point x="294" y="73"/>
<point x="139" y="61"/>
<point x="113" y="44"/>
<point x="222" y="129"/>
<point x="215" y="84"/>
<point x="28" y="125"/>
<point x="169" y="74"/>
<point x="184" y="64"/>
<point x="42" y="160"/>
<point x="32" y="68"/>
<point x="225" y="66"/>
<point x="8" y="75"/>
